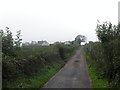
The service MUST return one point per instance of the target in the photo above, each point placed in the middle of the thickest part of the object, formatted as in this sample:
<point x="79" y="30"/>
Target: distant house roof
<point x="43" y="43"/>
<point x="36" y="43"/>
<point x="40" y="42"/>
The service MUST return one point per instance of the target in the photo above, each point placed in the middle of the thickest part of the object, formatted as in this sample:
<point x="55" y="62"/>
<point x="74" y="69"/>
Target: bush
<point x="106" y="53"/>
<point x="21" y="61"/>
<point x="33" y="59"/>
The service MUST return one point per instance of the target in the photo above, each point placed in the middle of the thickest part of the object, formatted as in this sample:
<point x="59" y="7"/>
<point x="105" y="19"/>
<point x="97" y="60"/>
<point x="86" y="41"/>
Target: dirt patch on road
<point x="77" y="61"/>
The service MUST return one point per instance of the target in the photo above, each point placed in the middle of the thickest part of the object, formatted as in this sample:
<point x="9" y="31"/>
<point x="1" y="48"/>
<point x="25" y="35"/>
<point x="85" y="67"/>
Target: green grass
<point x="37" y="80"/>
<point x="97" y="80"/>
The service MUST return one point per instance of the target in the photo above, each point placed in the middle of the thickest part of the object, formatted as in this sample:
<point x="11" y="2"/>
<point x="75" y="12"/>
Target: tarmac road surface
<point x="73" y="75"/>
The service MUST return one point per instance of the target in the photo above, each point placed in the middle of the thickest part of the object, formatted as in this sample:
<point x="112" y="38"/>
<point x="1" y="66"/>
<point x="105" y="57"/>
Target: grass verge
<point x="97" y="80"/>
<point x="37" y="80"/>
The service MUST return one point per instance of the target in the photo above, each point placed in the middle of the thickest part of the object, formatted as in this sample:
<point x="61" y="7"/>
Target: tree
<point x="7" y="42"/>
<point x="79" y="39"/>
<point x="109" y="36"/>
<point x="10" y="47"/>
<point x="18" y="40"/>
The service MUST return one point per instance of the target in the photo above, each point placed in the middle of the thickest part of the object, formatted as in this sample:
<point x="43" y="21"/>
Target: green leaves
<point x="10" y="45"/>
<point x="18" y="39"/>
<point x="106" y="53"/>
<point x="107" y="32"/>
<point x="7" y="42"/>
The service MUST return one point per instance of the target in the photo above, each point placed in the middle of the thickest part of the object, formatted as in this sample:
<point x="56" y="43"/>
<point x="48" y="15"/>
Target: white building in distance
<point x="36" y="43"/>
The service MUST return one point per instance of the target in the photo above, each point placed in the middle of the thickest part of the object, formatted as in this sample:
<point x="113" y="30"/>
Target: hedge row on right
<point x="106" y="53"/>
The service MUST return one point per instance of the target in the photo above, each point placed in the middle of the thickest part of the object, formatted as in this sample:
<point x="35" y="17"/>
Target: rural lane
<point x="73" y="75"/>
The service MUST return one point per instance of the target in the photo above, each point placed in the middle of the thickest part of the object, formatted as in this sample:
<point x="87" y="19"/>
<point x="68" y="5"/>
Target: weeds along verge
<point x="18" y="62"/>
<point x="95" y="67"/>
<point x="105" y="54"/>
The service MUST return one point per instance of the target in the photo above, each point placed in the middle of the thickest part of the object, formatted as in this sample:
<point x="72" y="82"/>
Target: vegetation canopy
<point x="22" y="64"/>
<point x="106" y="53"/>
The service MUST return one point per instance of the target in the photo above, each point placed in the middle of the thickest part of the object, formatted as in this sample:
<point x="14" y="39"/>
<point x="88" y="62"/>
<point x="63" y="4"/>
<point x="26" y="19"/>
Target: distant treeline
<point x="105" y="54"/>
<point x="19" y="61"/>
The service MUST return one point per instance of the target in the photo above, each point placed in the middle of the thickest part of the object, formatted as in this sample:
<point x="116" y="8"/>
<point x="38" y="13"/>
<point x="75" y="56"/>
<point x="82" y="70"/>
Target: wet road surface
<point x="73" y="75"/>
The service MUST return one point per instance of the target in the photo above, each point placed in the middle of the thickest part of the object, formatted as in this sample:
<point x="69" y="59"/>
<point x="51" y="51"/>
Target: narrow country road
<point x="73" y="75"/>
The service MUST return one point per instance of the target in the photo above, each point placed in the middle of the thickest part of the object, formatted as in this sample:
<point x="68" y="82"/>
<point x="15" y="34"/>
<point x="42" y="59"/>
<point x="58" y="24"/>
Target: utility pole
<point x="119" y="12"/>
<point x="0" y="60"/>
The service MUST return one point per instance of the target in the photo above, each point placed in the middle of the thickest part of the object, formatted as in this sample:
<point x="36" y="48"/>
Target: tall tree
<point x="7" y="42"/>
<point x="18" y="40"/>
<point x="79" y="39"/>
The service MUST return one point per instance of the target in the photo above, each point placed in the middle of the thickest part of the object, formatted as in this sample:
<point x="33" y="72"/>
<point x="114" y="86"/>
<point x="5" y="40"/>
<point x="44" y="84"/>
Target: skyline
<point x="56" y="20"/>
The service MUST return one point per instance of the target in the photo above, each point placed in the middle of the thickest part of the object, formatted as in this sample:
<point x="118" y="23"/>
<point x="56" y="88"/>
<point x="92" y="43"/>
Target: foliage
<point x="79" y="39"/>
<point x="38" y="79"/>
<point x="10" y="46"/>
<point x="106" y="53"/>
<point x="7" y="42"/>
<point x="18" y="39"/>
<point x="95" y="72"/>
<point x="21" y="61"/>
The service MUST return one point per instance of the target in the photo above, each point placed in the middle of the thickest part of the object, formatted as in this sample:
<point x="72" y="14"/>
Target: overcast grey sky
<point x="56" y="20"/>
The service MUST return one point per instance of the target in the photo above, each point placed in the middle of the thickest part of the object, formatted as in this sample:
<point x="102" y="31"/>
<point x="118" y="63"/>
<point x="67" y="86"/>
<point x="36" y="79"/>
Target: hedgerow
<point x="19" y="61"/>
<point x="106" y="53"/>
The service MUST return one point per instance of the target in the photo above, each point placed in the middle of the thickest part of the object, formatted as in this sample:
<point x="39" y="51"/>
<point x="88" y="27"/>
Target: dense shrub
<point x="33" y="59"/>
<point x="106" y="53"/>
<point x="21" y="61"/>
